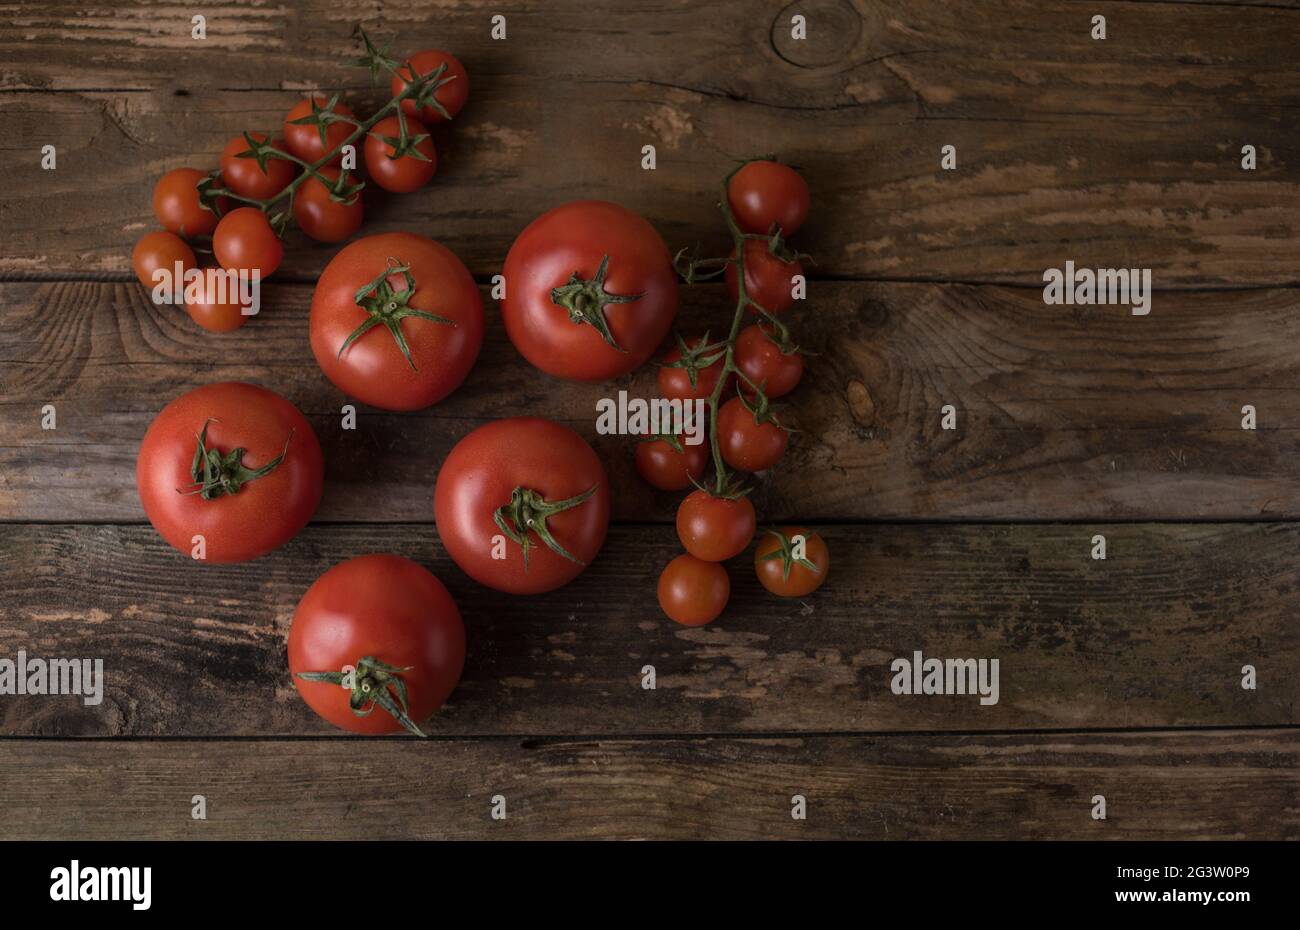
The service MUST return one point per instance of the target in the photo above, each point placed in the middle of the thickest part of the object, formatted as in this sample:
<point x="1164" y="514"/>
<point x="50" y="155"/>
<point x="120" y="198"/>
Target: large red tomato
<point x="231" y="462"/>
<point x="547" y="488"/>
<point x="415" y="333"/>
<point x="394" y="627"/>
<point x="590" y="291"/>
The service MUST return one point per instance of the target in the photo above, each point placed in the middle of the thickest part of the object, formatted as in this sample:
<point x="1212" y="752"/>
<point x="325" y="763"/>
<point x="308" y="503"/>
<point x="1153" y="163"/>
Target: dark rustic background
<point x="1119" y="677"/>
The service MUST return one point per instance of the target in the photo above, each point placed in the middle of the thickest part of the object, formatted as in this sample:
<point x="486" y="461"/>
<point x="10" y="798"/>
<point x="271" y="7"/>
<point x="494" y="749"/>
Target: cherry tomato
<point x="217" y="316"/>
<point x="304" y="140"/>
<point x="452" y="95"/>
<point x="242" y="508"/>
<point x="768" y="280"/>
<point x="763" y="363"/>
<point x="667" y="469"/>
<point x="245" y="241"/>
<point x="177" y="205"/>
<point x="614" y="281"/>
<point x="389" y="621"/>
<point x="246" y="178"/>
<point x="766" y="193"/>
<point x="746" y="444"/>
<point x="545" y="482"/>
<point x="786" y="571"/>
<point x="675" y="383"/>
<point x="322" y="217"/>
<point x="160" y="250"/>
<point x="405" y="173"/>
<point x="373" y="368"/>
<point x="715" y="528"/>
<point x="692" y="591"/>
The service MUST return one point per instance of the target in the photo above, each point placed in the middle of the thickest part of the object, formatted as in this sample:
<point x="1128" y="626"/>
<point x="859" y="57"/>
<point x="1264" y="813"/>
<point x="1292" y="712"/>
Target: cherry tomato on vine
<point x="406" y="172"/>
<point x="768" y="279"/>
<point x="669" y="469"/>
<point x="675" y="382"/>
<point x="763" y="363"/>
<point x="747" y="444"/>
<point x="217" y="316"/>
<point x="547" y="488"/>
<point x="452" y="95"/>
<point x="395" y="626"/>
<point x="693" y="592"/>
<point x="246" y="178"/>
<point x="766" y="193"/>
<point x="244" y="241"/>
<point x="177" y="205"/>
<point x="715" y="528"/>
<point x="322" y="217"/>
<point x="192" y="484"/>
<point x="303" y="139"/>
<point x="788" y="567"/>
<point x="157" y="250"/>
<point x="591" y="291"/>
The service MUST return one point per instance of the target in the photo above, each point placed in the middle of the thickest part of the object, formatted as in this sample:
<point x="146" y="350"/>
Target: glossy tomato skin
<point x="245" y="241"/>
<point x="802" y="581"/>
<point x="764" y="194"/>
<point x="675" y="383"/>
<point x="246" y="178"/>
<point x="573" y="238"/>
<point x="715" y="528"/>
<point x="373" y="369"/>
<point x="768" y="280"/>
<point x="267" y="511"/>
<point x="217" y="316"/>
<point x="745" y="444"/>
<point x="322" y="217"/>
<point x="478" y="477"/>
<point x="693" y="592"/>
<point x="157" y="250"/>
<point x="177" y="205"/>
<point x="451" y="95"/>
<point x="762" y="362"/>
<point x="388" y="608"/>
<point x="407" y="173"/>
<point x="663" y="467"/>
<point x="303" y="140"/>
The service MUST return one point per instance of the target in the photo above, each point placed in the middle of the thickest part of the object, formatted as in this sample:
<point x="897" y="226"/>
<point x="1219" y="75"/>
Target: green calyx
<point x="695" y="358"/>
<point x="388" y="307"/>
<point x="785" y="552"/>
<point x="372" y="683"/>
<point x="405" y="145"/>
<point x="323" y="117"/>
<point x="527" y="511"/>
<point x="215" y="474"/>
<point x="586" y="301"/>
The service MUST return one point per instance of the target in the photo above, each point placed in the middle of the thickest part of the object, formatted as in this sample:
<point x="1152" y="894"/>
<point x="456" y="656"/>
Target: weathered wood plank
<point x="1062" y="413"/>
<point x="1154" y="636"/>
<point x="1113" y="153"/>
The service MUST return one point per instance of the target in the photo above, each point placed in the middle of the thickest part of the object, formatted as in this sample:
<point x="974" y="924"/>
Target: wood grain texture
<point x="1155" y="636"/>
<point x="1111" y="153"/>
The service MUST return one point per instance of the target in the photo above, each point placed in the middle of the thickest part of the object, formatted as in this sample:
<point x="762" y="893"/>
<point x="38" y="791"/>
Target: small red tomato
<point x="675" y="380"/>
<point x="176" y="203"/>
<point x="246" y="178"/>
<point x="764" y="194"/>
<point x="667" y="468"/>
<point x="322" y="217"/>
<point x="791" y="561"/>
<point x="747" y="444"/>
<point x="304" y="139"/>
<point x="217" y="316"/>
<point x="407" y="172"/>
<point x="715" y="528"/>
<point x="764" y="363"/>
<point x="451" y="95"/>
<point x="245" y="241"/>
<point x="692" y="591"/>
<point x="769" y="281"/>
<point x="160" y="250"/>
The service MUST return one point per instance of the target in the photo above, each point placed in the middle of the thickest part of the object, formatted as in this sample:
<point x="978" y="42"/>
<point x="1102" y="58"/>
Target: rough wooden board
<point x="1115" y="153"/>
<point x="1063" y="413"/>
<point x="1155" y="636"/>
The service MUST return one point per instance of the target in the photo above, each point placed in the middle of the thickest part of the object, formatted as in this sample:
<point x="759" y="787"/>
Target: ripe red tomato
<point x="217" y="316"/>
<point x="764" y="363"/>
<point x="433" y="308"/>
<point x="780" y="567"/>
<point x="692" y="591"/>
<point x="767" y="193"/>
<point x="675" y="383"/>
<point x="584" y="275"/>
<point x="246" y="178"/>
<point x="157" y="250"/>
<point x="545" y="482"/>
<point x="667" y="468"/>
<point x="395" y="626"/>
<point x="192" y="483"/>
<point x="452" y="95"/>
<point x="768" y="279"/>
<point x="322" y="217"/>
<point x="747" y="444"/>
<point x="245" y="241"/>
<point x="177" y="205"/>
<point x="407" y="172"/>
<point x="303" y="139"/>
<point x="715" y="528"/>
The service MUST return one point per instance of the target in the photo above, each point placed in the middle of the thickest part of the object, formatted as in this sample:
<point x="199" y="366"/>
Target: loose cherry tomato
<point x="789" y="568"/>
<point x="715" y="528"/>
<point x="668" y="469"/>
<point x="692" y="591"/>
<point x="160" y="250"/>
<point x="452" y="95"/>
<point x="675" y="382"/>
<point x="747" y="444"/>
<point x="217" y="316"/>
<point x="768" y="279"/>
<point x="766" y="193"/>
<point x="762" y="362"/>
<point x="322" y="217"/>
<point x="177" y="205"/>
<point x="405" y="173"/>
<point x="245" y="241"/>
<point x="246" y="178"/>
<point x="303" y="139"/>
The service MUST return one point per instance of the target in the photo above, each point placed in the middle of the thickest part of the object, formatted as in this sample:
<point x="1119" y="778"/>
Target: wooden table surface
<point x="1120" y="678"/>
